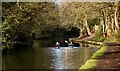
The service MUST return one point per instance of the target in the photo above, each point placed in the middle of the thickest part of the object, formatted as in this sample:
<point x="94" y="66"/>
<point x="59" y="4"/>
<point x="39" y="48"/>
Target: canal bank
<point x="105" y="58"/>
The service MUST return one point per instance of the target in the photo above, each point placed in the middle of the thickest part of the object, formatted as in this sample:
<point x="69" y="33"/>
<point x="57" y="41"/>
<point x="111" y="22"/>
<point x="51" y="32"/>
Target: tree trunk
<point x="106" y="23"/>
<point x="86" y="24"/>
<point x="102" y="26"/>
<point x="18" y="3"/>
<point x="103" y="22"/>
<point x="81" y="31"/>
<point x="116" y="20"/>
<point x="115" y="15"/>
<point x="112" y="24"/>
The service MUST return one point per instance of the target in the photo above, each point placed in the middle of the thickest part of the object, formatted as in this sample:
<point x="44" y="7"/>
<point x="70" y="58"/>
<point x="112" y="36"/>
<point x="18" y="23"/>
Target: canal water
<point x="43" y="56"/>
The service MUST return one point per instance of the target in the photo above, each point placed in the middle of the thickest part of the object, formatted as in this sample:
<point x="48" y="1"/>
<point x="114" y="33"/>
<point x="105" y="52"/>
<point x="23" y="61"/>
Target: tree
<point x="27" y="18"/>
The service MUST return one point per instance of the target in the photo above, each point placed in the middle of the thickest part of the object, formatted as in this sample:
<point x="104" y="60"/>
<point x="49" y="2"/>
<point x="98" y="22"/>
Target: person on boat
<point x="57" y="45"/>
<point x="70" y="45"/>
<point x="66" y="41"/>
<point x="53" y="46"/>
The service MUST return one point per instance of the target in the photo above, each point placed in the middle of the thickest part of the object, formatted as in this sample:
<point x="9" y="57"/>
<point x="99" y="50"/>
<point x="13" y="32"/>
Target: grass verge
<point x="90" y="64"/>
<point x="99" y="53"/>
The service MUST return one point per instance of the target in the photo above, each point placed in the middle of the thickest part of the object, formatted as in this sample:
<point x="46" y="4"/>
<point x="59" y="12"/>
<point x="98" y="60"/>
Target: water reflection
<point x="66" y="56"/>
<point x="42" y="57"/>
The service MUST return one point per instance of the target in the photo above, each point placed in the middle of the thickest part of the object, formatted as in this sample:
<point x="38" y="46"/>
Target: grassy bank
<point x="90" y="64"/>
<point x="102" y="41"/>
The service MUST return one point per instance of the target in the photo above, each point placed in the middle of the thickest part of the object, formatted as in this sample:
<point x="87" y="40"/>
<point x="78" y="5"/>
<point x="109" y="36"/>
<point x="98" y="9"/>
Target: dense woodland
<point x="24" y="22"/>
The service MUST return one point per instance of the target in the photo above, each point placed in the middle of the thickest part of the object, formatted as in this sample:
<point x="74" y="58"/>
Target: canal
<point x="43" y="56"/>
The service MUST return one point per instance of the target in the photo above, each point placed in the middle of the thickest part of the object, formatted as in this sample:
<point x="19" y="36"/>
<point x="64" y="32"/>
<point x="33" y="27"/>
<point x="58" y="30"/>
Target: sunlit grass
<point x="93" y="62"/>
<point x="99" y="52"/>
<point x="99" y="39"/>
<point x="89" y="64"/>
